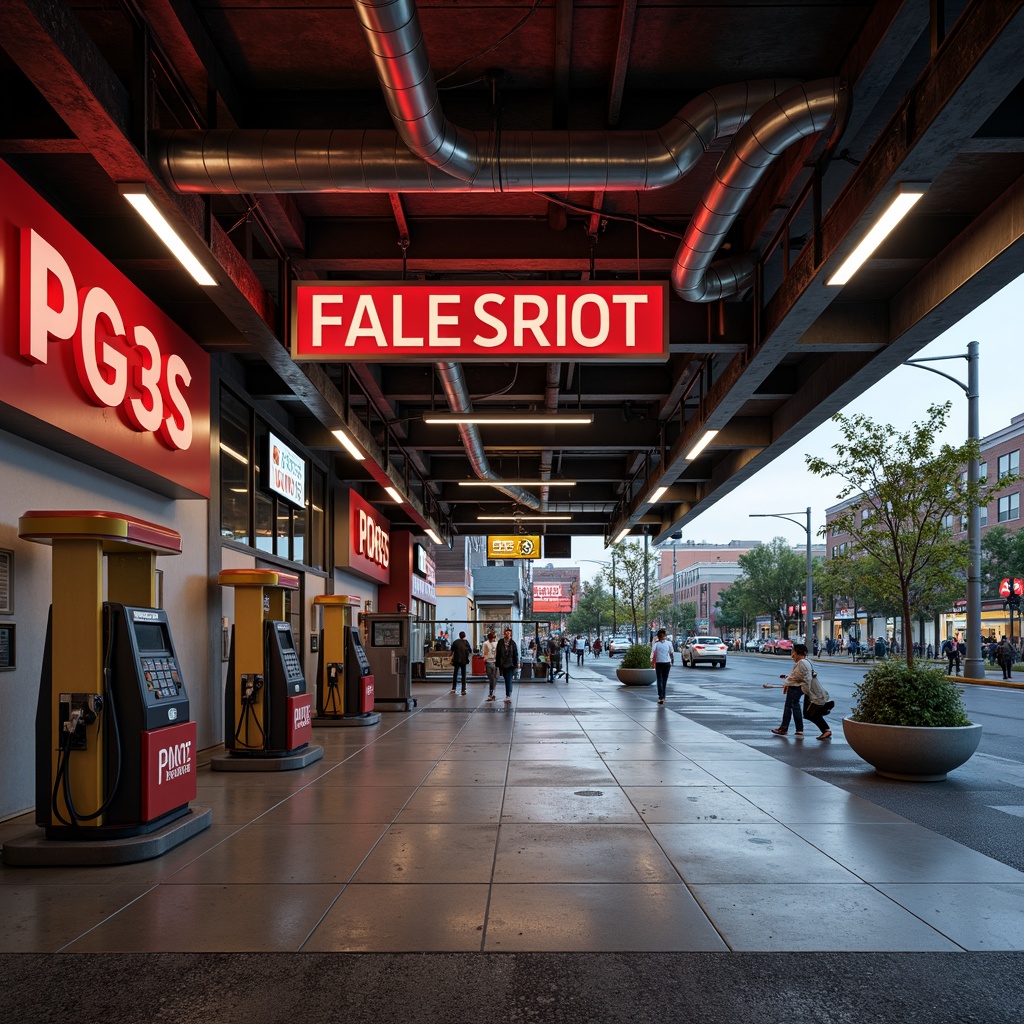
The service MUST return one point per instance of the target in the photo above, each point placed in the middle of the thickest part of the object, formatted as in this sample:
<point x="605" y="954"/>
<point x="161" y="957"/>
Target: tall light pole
<point x="810" y="593"/>
<point x="974" y="663"/>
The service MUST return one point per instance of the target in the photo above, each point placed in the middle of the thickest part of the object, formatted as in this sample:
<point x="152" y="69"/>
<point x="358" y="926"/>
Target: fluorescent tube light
<point x="524" y="519"/>
<point x="700" y="445"/>
<point x="394" y="494"/>
<point x="909" y="193"/>
<point x="510" y="418"/>
<point x="238" y="457"/>
<point x="348" y="444"/>
<point x="656" y="495"/>
<point x="623" y="534"/>
<point x="432" y="534"/>
<point x="136" y="194"/>
<point x="517" y="483"/>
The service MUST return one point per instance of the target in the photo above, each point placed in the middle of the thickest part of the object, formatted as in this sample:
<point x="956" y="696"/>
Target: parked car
<point x="754" y="644"/>
<point x="618" y="645"/>
<point x="782" y="646"/>
<point x="704" y="648"/>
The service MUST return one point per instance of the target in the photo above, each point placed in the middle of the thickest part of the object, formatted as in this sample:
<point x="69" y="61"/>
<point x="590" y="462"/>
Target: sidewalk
<point x="584" y="818"/>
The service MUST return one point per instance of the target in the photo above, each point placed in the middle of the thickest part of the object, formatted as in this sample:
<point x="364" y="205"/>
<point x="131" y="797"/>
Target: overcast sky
<point x="901" y="398"/>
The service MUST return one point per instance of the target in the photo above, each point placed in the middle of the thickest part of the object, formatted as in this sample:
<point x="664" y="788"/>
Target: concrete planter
<point x="636" y="676"/>
<point x="912" y="753"/>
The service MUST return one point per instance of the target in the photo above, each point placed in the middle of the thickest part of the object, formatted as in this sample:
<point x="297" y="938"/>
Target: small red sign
<point x="1018" y="587"/>
<point x="365" y="694"/>
<point x="493" y="320"/>
<point x="300" y="720"/>
<point x="169" y="769"/>
<point x="1004" y="587"/>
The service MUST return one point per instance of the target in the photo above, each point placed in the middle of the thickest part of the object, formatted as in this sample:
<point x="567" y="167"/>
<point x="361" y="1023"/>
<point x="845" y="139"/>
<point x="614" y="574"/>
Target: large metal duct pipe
<point x="798" y="112"/>
<point x="552" y="391"/>
<point x="283" y="160"/>
<point x="454" y="384"/>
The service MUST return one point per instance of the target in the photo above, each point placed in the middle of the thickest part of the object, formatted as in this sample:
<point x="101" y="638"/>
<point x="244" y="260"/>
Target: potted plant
<point x="909" y="722"/>
<point x="635" y="669"/>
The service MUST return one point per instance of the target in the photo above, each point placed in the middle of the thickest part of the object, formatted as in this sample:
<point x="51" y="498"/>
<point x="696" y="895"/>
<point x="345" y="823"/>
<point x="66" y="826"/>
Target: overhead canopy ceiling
<point x="924" y="92"/>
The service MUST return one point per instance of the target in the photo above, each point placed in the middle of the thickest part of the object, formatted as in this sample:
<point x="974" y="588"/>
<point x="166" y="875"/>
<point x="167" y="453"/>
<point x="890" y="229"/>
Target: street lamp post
<point x="810" y="594"/>
<point x="974" y="663"/>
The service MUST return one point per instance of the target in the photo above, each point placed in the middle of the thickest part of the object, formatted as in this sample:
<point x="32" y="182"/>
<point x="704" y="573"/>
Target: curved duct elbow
<point x="798" y="112"/>
<point x="453" y="382"/>
<point x="392" y="32"/>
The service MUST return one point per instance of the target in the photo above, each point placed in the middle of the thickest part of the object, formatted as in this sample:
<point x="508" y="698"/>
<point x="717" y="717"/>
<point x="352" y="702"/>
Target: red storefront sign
<point x="368" y="552"/>
<point x="496" y="320"/>
<point x="552" y="597"/>
<point x="84" y="353"/>
<point x="169" y="769"/>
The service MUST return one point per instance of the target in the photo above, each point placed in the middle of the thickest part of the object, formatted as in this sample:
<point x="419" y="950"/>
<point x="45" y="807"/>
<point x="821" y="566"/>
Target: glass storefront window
<point x="235" y="458"/>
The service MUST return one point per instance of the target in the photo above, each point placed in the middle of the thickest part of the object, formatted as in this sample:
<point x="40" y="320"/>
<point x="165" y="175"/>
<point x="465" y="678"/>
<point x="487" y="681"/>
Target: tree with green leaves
<point x="904" y="495"/>
<point x="635" y="576"/>
<point x="593" y="609"/>
<point x="773" y="575"/>
<point x="736" y="607"/>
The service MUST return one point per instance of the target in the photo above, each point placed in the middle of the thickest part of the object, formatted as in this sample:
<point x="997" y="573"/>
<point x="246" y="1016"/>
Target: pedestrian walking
<point x="597" y="648"/>
<point x="490" y="649"/>
<point x="580" y="648"/>
<point x="662" y="659"/>
<point x="461" y="654"/>
<point x="506" y="655"/>
<point x="1004" y="656"/>
<point x="803" y="679"/>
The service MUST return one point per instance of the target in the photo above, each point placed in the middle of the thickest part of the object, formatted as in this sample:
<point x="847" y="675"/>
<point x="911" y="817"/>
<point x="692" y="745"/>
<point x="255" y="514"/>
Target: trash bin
<point x="477" y="667"/>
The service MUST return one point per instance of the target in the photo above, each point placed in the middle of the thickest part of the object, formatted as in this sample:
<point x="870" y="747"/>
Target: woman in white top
<point x="662" y="659"/>
<point x="490" y="646"/>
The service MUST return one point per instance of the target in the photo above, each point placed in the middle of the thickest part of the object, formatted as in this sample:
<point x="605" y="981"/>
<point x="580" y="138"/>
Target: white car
<point x="754" y="645"/>
<point x="618" y="645"/>
<point x="704" y="648"/>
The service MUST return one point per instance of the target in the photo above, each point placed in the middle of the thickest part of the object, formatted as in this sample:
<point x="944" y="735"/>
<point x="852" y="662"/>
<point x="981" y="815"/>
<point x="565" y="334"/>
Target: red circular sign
<point x="1004" y="588"/>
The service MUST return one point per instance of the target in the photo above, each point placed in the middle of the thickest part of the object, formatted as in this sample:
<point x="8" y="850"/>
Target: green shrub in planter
<point x="892" y="694"/>
<point x="637" y="656"/>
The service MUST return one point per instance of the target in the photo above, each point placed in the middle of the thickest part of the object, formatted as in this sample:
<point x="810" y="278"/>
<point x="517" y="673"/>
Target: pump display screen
<point x="386" y="634"/>
<point x="151" y="636"/>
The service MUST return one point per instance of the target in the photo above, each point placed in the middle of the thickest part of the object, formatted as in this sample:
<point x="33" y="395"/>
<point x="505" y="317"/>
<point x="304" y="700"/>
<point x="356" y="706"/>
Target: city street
<point x="980" y="804"/>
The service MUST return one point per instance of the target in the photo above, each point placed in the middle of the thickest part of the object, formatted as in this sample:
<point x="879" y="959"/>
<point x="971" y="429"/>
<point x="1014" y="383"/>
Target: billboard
<point x="553" y="597"/>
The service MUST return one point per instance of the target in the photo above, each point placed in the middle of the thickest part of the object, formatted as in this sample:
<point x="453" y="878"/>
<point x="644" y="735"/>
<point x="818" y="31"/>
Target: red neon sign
<point x="570" y="320"/>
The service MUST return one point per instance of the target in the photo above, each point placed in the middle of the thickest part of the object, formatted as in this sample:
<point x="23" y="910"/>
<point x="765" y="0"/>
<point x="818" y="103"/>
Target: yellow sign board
<point x="513" y="547"/>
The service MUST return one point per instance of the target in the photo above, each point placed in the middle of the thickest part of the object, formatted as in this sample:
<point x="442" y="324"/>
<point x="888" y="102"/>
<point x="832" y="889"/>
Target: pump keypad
<point x="292" y="665"/>
<point x="162" y="677"/>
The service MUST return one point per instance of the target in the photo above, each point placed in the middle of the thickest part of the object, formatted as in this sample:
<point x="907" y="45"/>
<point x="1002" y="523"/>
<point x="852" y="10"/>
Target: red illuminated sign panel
<point x="552" y="597"/>
<point x="499" y="320"/>
<point x="82" y="350"/>
<point x="300" y="721"/>
<point x="369" y="541"/>
<point x="169" y="768"/>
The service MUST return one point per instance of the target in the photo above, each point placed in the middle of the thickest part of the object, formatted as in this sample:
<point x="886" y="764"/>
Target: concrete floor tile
<point x="403" y="919"/>
<point x="603" y="918"/>
<point x="559" y="773"/>
<point x="213" y="918"/>
<point x="44" y="918"/>
<point x="294" y="853"/>
<point x="651" y="750"/>
<point x="798" y="804"/>
<point x="382" y="770"/>
<point x="568" y="804"/>
<point x="467" y="773"/>
<point x="762" y="773"/>
<point x="481" y="751"/>
<point x="335" y="804"/>
<point x="681" y="772"/>
<point x="580" y="853"/>
<point x="975" y="915"/>
<point x="578" y="752"/>
<point x="432" y="853"/>
<point x="229" y="805"/>
<point x="693" y="804"/>
<point x="812" y="917"/>
<point x="454" y="804"/>
<point x="723" y="852"/>
<point x="904" y="853"/>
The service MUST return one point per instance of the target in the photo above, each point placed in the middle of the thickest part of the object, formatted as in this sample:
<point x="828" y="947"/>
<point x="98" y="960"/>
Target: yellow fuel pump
<point x="267" y="711"/>
<point x="344" y="678"/>
<point x="115" y="746"/>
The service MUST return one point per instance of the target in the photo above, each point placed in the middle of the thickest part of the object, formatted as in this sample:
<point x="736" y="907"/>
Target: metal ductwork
<point x="283" y="160"/>
<point x="552" y="390"/>
<point x="800" y="111"/>
<point x="454" y="384"/>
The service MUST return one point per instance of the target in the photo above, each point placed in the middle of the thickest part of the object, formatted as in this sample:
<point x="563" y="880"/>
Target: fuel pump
<point x="345" y="682"/>
<point x="388" y="639"/>
<point x="115" y="745"/>
<point x="267" y="711"/>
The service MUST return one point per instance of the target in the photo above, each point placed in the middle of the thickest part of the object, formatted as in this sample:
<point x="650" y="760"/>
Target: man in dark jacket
<point x="1004" y="656"/>
<point x="461" y="653"/>
<point x="506" y="656"/>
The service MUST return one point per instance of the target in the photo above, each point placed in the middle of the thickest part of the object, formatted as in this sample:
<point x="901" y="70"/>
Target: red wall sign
<point x="552" y="597"/>
<point x="369" y="539"/>
<point x="83" y="351"/>
<point x="494" y="320"/>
